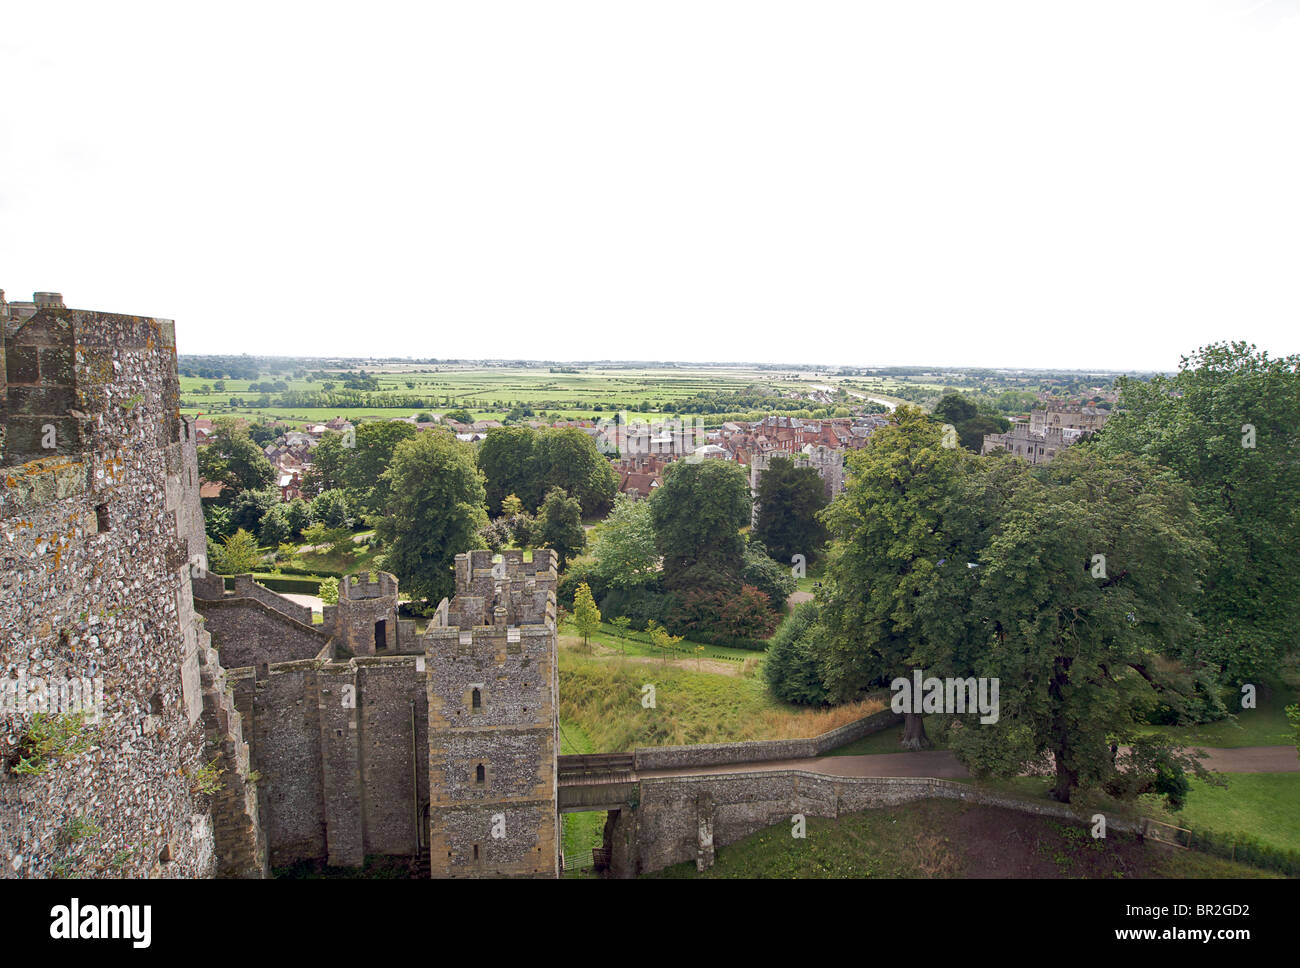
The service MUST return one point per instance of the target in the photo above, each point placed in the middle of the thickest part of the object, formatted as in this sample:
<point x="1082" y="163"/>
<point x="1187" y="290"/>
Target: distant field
<point x="490" y="392"/>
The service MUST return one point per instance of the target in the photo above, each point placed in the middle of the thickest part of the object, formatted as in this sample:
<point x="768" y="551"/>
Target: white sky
<point x="1091" y="184"/>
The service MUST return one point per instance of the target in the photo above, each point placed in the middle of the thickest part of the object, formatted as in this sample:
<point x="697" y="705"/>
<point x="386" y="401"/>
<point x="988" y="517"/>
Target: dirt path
<point x="941" y="764"/>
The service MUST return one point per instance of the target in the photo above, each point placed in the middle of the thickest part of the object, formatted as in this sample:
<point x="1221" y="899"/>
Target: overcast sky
<point x="1038" y="184"/>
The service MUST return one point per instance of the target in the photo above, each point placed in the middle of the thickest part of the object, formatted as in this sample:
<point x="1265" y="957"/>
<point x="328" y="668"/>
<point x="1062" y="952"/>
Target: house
<point x="290" y="485"/>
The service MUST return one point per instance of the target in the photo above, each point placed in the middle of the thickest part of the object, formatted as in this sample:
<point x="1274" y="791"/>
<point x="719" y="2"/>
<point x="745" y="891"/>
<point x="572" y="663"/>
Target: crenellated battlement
<point x="486" y="584"/>
<point x="74" y="381"/>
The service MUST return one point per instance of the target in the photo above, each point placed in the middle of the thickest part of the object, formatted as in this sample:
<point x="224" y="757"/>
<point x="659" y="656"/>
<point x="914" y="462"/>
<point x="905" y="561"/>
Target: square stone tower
<point x="493" y="687"/>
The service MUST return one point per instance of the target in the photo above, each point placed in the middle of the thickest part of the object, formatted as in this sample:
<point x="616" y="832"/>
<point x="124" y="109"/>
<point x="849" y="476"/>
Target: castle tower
<point x="365" y="619"/>
<point x="99" y="526"/>
<point x="493" y="686"/>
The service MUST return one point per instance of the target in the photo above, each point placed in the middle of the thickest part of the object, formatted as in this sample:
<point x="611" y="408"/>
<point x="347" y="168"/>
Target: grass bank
<point x="603" y="696"/>
<point x="949" y="839"/>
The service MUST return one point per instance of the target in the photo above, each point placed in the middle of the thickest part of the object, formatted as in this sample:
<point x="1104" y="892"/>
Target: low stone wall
<point x="245" y="587"/>
<point x="758" y="751"/>
<point x="664" y="828"/>
<point x="249" y="632"/>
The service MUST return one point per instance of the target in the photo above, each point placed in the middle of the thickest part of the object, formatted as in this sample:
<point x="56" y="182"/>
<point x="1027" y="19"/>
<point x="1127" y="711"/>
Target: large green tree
<point x="1228" y="423"/>
<point x="433" y="512"/>
<point x="327" y="460"/>
<point x="623" y="550"/>
<point x="528" y="463"/>
<point x="891" y="535"/>
<point x="569" y="459"/>
<point x="789" y="499"/>
<point x="697" y="516"/>
<point x="363" y="466"/>
<point x="559" y="526"/>
<point x="232" y="458"/>
<point x="971" y="420"/>
<point x="508" y="459"/>
<point x="1091" y="574"/>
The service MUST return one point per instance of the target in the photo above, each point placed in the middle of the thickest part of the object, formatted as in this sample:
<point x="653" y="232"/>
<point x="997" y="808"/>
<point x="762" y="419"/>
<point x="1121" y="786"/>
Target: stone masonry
<point x="367" y="739"/>
<point x="99" y="524"/>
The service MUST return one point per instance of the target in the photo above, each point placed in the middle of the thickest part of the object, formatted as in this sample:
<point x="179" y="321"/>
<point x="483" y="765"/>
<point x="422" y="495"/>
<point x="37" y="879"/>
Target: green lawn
<point x="949" y="839"/>
<point x="603" y="695"/>
<point x="1265" y="725"/>
<point x="638" y="643"/>
<point x="1265" y="806"/>
<point x="582" y="831"/>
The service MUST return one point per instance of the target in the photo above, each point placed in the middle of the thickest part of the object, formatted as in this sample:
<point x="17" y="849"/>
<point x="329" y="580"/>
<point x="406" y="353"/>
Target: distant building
<point x="1087" y="419"/>
<point x="1037" y="448"/>
<point x="1048" y="432"/>
<point x="828" y="463"/>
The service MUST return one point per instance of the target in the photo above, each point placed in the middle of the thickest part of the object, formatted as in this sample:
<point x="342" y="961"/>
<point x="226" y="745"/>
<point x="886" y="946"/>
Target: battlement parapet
<point x="486" y="583"/>
<point x="74" y="381"/>
<point x="355" y="589"/>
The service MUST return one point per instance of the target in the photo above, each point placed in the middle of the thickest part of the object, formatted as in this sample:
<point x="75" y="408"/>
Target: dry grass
<point x="790" y="723"/>
<point x="603" y="696"/>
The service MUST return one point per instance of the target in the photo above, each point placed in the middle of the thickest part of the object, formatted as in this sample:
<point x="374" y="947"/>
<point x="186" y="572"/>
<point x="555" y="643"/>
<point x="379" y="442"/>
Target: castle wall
<point x="685" y="818"/>
<point x="394" y="751"/>
<point x="286" y="753"/>
<point x="248" y="632"/>
<point x="94" y="563"/>
<point x="356" y="754"/>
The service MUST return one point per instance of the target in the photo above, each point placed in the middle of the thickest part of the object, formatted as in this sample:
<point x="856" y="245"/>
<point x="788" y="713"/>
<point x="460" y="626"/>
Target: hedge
<point x="313" y="572"/>
<point x="1246" y="850"/>
<point x="291" y="586"/>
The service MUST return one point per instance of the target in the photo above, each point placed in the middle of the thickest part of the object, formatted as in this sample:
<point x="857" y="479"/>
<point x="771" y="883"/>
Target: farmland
<point x="489" y="393"/>
<point x="293" y="390"/>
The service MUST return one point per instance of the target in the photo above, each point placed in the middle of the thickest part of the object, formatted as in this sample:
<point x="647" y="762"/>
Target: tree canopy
<point x="1228" y="424"/>
<point x="789" y="499"/>
<point x="528" y="463"/>
<point x="232" y="458"/>
<point x="697" y="515"/>
<point x="433" y="512"/>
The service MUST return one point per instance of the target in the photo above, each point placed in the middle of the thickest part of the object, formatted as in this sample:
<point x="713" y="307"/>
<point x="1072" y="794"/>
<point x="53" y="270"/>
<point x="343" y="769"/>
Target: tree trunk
<point x="1066" y="780"/>
<point x="914" y="737"/>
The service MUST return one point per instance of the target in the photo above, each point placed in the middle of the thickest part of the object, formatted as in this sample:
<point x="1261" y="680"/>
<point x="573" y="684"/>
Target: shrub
<point x="581" y="571"/>
<point x="708" y="614"/>
<point x="329" y="591"/>
<point x="641" y="605"/>
<point x="251" y="507"/>
<point x="791" y="669"/>
<point x="771" y="578"/>
<point x="239" y="554"/>
<point x="1246" y="850"/>
<point x="276" y="528"/>
<point x="50" y="739"/>
<point x="331" y="509"/>
<point x="300" y="518"/>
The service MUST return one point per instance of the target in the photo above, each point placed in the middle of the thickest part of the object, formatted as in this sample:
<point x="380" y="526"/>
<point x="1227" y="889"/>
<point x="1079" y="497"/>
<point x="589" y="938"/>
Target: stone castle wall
<point x="684" y="819"/>
<point x="98" y="505"/>
<point x="361" y="753"/>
